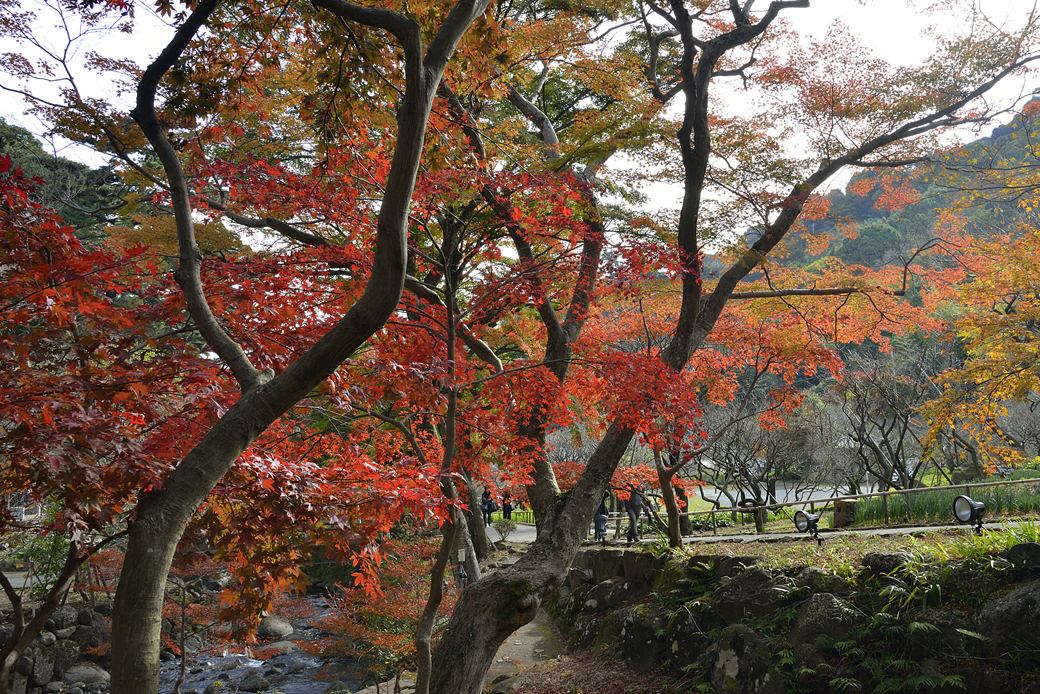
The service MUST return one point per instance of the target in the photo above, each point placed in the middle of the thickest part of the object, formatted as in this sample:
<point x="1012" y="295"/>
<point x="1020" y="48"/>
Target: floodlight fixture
<point x="967" y="510"/>
<point x="808" y="523"/>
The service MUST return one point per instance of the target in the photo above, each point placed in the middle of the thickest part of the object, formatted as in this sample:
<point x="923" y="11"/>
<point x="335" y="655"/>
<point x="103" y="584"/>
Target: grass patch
<point x="938" y="505"/>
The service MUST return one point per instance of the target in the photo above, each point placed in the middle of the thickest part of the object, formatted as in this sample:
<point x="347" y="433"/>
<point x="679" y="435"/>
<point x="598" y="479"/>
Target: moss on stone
<point x="513" y="594"/>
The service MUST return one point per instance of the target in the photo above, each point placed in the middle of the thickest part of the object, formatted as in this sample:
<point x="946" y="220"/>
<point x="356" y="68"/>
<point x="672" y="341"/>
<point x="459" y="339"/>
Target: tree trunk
<point x="664" y="479"/>
<point x="685" y="524"/>
<point x="424" y="629"/>
<point x="475" y="521"/>
<point x="491" y="609"/>
<point x="464" y="541"/>
<point x="163" y="515"/>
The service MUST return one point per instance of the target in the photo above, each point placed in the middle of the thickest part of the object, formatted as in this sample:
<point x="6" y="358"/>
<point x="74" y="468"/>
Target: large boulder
<point x="685" y="635"/>
<point x="63" y="655"/>
<point x="610" y="594"/>
<point x="701" y="563"/>
<point x="945" y="635"/>
<point x="668" y="577"/>
<point x="273" y="627"/>
<point x="63" y="618"/>
<point x="90" y="636"/>
<point x="43" y="667"/>
<point x="744" y="664"/>
<point x="610" y="629"/>
<point x="1012" y="619"/>
<point x="254" y="682"/>
<point x="558" y="603"/>
<point x="642" y="641"/>
<point x="881" y="564"/>
<point x="586" y="627"/>
<point x="85" y="673"/>
<point x="24" y="664"/>
<point x="640" y="565"/>
<point x="813" y="672"/>
<point x="822" y="615"/>
<point x="606" y="563"/>
<point x="1024" y="556"/>
<point x="752" y="593"/>
<point x="731" y="566"/>
<point x="578" y="576"/>
<point x="820" y="581"/>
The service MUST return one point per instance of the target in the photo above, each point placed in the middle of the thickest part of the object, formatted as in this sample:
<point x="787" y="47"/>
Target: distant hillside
<point x="85" y="198"/>
<point x="882" y="234"/>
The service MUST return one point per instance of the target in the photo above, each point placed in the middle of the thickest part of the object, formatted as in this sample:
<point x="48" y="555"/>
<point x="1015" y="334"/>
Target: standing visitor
<point x="634" y="508"/>
<point x="486" y="506"/>
<point x="601" y="519"/>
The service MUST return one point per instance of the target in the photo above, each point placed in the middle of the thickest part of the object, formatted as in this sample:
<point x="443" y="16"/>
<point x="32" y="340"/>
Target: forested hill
<point x="880" y="232"/>
<point x="86" y="198"/>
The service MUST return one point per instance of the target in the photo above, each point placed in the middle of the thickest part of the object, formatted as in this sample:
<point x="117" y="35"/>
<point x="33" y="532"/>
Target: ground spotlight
<point x="807" y="523"/>
<point x="967" y="510"/>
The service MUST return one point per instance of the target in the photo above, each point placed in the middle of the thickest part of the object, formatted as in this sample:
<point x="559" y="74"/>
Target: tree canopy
<point x="368" y="259"/>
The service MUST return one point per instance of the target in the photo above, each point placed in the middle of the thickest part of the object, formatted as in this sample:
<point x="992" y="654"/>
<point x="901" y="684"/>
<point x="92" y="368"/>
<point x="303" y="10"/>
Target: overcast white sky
<point x="889" y="26"/>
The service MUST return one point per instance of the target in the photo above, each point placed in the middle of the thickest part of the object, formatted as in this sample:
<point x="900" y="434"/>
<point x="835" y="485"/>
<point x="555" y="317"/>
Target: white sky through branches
<point x="892" y="28"/>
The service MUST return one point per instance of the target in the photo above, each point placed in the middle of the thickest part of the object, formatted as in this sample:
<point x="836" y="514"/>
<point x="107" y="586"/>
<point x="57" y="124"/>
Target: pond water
<point x="785" y="493"/>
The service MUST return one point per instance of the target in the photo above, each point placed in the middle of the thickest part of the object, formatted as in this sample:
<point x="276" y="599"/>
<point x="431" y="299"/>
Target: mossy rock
<point x="610" y="630"/>
<point x="584" y="629"/>
<point x="642" y="565"/>
<point x="688" y="632"/>
<point x="744" y="663"/>
<point x="643" y="636"/>
<point x="610" y="594"/>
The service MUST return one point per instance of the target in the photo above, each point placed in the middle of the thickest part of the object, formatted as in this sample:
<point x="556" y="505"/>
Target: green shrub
<point x="504" y="526"/>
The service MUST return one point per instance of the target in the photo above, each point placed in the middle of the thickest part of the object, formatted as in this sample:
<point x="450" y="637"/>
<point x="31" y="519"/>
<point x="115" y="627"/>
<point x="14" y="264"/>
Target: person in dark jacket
<point x="634" y="508"/>
<point x="507" y="507"/>
<point x="486" y="506"/>
<point x="601" y="519"/>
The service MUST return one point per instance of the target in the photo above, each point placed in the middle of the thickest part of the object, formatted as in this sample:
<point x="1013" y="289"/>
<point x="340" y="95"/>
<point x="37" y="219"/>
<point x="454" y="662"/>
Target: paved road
<point x="18" y="579"/>
<point x="526" y="533"/>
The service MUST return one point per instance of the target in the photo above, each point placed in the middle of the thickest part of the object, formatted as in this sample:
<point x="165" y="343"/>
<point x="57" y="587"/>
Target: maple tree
<point x="997" y="330"/>
<point x="506" y="599"/>
<point x="162" y="515"/>
<point x="87" y="373"/>
<point x="318" y="137"/>
<point x="971" y="420"/>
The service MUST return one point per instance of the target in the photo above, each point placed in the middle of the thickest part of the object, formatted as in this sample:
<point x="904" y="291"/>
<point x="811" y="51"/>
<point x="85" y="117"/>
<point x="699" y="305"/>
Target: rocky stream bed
<point x="69" y="658"/>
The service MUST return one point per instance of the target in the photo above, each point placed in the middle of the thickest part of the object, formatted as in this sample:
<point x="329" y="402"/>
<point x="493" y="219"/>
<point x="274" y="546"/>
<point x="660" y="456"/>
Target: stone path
<point x="531" y="645"/>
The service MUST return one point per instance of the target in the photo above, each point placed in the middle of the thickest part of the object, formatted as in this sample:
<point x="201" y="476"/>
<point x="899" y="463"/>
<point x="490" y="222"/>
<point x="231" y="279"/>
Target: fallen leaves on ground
<point x="597" y="672"/>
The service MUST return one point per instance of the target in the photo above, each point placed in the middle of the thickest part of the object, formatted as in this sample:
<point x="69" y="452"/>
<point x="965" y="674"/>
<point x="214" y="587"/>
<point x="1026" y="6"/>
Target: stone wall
<point x="66" y="656"/>
<point x="895" y="625"/>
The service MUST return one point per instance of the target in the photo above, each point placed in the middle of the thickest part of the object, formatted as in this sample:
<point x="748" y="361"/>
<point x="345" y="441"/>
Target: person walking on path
<point x="634" y="508"/>
<point x="487" y="506"/>
<point x="601" y="519"/>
